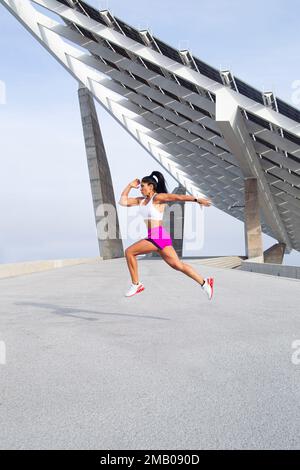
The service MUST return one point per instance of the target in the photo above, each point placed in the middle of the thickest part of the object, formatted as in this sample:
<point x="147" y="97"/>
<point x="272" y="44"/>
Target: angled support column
<point x="253" y="234"/>
<point x="275" y="253"/>
<point x="100" y="179"/>
<point x="232" y="125"/>
<point x="173" y="220"/>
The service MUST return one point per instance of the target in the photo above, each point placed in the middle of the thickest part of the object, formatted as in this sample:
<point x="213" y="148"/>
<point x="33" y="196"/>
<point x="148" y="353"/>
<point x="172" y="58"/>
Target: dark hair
<point x="159" y="183"/>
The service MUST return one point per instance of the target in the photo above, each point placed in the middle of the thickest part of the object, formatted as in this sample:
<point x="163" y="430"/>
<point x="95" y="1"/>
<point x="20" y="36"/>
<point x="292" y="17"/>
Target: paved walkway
<point x="88" y="368"/>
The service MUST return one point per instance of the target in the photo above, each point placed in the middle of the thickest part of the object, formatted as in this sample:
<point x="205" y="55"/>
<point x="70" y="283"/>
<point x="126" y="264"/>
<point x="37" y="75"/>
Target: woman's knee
<point x="178" y="265"/>
<point x="129" y="251"/>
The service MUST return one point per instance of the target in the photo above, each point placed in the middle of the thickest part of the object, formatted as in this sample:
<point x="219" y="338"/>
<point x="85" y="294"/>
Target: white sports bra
<point x="148" y="211"/>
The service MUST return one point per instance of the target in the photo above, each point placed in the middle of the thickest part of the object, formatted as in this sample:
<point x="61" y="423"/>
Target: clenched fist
<point x="135" y="183"/>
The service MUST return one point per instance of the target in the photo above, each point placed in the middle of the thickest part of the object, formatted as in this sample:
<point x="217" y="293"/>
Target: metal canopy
<point x="207" y="128"/>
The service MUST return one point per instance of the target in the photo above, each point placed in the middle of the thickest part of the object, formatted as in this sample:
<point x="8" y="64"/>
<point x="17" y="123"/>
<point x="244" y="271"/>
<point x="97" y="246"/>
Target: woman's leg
<point x="137" y="248"/>
<point x="170" y="256"/>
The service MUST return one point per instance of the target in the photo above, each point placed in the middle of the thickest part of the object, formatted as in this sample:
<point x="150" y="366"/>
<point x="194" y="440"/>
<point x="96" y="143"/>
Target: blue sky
<point x="46" y="203"/>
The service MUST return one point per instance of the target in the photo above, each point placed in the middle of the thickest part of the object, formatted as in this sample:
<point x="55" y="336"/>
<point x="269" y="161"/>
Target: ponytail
<point x="158" y="180"/>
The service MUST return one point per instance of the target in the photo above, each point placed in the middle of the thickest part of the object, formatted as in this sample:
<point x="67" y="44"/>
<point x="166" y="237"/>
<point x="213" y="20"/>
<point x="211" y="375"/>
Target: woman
<point x="152" y="204"/>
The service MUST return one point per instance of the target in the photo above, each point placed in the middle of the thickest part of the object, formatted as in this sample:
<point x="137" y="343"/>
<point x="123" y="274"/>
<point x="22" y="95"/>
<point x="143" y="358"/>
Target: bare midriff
<point x="151" y="223"/>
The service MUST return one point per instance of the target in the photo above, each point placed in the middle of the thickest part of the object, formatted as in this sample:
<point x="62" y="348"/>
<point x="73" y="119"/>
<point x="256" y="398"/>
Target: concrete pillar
<point x="100" y="179"/>
<point x="253" y="234"/>
<point x="173" y="220"/>
<point x="275" y="253"/>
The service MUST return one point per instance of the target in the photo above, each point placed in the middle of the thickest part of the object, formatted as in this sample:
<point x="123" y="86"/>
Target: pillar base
<point x="275" y="253"/>
<point x="256" y="259"/>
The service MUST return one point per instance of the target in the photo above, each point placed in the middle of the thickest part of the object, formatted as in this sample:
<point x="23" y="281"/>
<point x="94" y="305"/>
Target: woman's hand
<point x="135" y="183"/>
<point x="204" y="202"/>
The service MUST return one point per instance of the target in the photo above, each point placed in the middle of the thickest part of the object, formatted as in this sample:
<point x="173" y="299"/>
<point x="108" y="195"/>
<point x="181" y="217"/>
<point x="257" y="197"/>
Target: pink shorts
<point x="159" y="236"/>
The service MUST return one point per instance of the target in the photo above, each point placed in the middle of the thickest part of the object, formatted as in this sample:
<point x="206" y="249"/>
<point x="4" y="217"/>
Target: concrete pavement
<point x="166" y="369"/>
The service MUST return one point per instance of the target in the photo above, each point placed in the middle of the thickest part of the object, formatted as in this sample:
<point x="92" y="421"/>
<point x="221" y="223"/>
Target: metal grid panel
<point x="278" y="150"/>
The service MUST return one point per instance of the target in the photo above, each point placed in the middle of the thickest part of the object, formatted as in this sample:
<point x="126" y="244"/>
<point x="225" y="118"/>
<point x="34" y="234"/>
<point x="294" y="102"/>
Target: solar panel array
<point x="181" y="116"/>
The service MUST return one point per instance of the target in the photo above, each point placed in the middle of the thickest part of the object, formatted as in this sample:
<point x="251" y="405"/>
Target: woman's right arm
<point x="130" y="201"/>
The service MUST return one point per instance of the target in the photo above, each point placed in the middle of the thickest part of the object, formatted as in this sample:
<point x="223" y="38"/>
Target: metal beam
<point x="233" y="128"/>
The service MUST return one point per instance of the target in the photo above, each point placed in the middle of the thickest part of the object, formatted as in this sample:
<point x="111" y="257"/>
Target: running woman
<point x="152" y="205"/>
